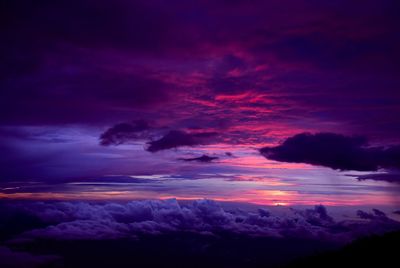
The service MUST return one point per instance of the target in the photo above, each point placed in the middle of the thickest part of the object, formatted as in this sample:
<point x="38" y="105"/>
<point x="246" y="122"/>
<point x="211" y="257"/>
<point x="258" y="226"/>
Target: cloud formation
<point x="178" y="138"/>
<point x="389" y="176"/>
<point x="334" y="151"/>
<point x="123" y="132"/>
<point x="127" y="132"/>
<point x="204" y="158"/>
<point x="93" y="221"/>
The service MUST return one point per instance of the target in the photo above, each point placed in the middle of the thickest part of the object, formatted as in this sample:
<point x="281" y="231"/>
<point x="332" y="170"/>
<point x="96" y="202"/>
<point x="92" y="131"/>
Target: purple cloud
<point x="335" y="151"/>
<point x="123" y="132"/>
<point x="177" y="138"/>
<point x="389" y="176"/>
<point x="204" y="158"/>
<point x="82" y="220"/>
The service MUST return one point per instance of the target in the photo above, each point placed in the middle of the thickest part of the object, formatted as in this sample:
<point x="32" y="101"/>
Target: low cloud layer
<point x="82" y="220"/>
<point x="334" y="151"/>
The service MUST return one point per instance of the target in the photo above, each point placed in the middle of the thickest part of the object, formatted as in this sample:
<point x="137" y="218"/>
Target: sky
<point x="263" y="102"/>
<point x="214" y="133"/>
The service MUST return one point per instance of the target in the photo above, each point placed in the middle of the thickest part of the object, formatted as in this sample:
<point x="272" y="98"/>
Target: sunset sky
<point x="199" y="133"/>
<point x="177" y="99"/>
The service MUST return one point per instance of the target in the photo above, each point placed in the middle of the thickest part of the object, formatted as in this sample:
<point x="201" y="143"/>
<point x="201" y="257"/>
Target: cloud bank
<point x="93" y="221"/>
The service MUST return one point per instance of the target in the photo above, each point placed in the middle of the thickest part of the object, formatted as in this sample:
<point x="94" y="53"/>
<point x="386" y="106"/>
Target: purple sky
<point x="201" y="99"/>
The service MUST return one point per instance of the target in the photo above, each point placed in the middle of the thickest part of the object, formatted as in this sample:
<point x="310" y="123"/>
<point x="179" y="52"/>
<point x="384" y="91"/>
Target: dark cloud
<point x="204" y="158"/>
<point x="177" y="138"/>
<point x="375" y="215"/>
<point x="335" y="151"/>
<point x="317" y="216"/>
<point x="389" y="176"/>
<point x="123" y="132"/>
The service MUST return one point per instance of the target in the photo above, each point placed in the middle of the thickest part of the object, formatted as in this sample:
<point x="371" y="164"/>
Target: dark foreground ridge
<point x="193" y="250"/>
<point x="373" y="251"/>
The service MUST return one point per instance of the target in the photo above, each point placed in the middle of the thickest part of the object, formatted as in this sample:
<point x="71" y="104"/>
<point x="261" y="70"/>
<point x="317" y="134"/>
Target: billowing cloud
<point x="136" y="232"/>
<point x="335" y="151"/>
<point x="93" y="221"/>
<point x="178" y="138"/>
<point x="376" y="214"/>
